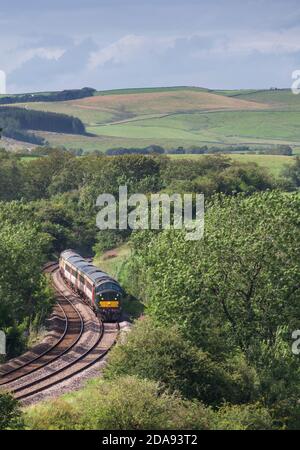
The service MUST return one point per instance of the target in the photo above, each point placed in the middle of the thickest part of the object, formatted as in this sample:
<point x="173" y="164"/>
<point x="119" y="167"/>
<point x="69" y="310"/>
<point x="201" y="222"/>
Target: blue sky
<point x="107" y="44"/>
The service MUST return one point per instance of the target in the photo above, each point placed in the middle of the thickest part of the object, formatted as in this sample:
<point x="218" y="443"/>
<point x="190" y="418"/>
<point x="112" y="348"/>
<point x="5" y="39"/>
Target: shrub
<point x="133" y="403"/>
<point x="163" y="354"/>
<point x="58" y="414"/>
<point x="243" y="417"/>
<point x="10" y="413"/>
<point x="127" y="403"/>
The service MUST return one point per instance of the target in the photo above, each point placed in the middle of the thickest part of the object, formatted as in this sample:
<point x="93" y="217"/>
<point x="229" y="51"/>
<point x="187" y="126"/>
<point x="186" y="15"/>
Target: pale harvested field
<point x="103" y="109"/>
<point x="166" y="102"/>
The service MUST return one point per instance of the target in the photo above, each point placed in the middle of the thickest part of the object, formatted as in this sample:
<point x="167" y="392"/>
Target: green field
<point x="273" y="163"/>
<point x="102" y="143"/>
<point x="282" y="99"/>
<point x="112" y="261"/>
<point x="233" y="92"/>
<point x="214" y="127"/>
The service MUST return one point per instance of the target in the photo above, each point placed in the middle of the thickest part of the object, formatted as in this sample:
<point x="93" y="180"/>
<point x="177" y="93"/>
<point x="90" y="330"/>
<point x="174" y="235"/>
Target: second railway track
<point x="44" y="353"/>
<point x="83" y="342"/>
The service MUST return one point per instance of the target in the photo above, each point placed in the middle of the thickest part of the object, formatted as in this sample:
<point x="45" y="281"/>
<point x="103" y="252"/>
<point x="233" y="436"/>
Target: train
<point x="102" y="292"/>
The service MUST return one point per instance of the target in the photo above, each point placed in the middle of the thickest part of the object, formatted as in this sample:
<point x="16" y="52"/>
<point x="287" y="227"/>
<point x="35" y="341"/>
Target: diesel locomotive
<point x="100" y="290"/>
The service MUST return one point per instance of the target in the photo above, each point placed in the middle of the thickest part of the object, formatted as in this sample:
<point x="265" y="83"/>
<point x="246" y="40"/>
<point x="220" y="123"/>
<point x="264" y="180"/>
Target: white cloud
<point x="197" y="45"/>
<point x="287" y="41"/>
<point x="137" y="59"/>
<point x="120" y="51"/>
<point x="21" y="56"/>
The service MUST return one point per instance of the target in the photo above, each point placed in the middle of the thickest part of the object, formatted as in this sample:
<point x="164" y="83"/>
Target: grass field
<point x="230" y="127"/>
<point x="112" y="261"/>
<point x="102" y="143"/>
<point x="28" y="158"/>
<point x="273" y="163"/>
<point x="282" y="99"/>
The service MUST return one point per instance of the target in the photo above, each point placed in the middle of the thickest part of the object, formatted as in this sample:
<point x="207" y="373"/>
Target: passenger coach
<point x="100" y="290"/>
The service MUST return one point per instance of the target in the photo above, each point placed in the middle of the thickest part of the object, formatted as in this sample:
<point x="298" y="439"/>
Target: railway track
<point x="83" y="342"/>
<point x="45" y="353"/>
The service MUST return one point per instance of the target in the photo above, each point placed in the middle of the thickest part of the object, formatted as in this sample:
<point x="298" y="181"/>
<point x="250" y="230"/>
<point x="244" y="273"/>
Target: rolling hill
<point x="179" y="116"/>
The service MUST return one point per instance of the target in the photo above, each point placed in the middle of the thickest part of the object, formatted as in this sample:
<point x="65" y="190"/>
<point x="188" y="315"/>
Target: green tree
<point x="24" y="291"/>
<point x="42" y="172"/>
<point x="10" y="413"/>
<point x="235" y="290"/>
<point x="11" y="177"/>
<point x="240" y="278"/>
<point x="292" y="172"/>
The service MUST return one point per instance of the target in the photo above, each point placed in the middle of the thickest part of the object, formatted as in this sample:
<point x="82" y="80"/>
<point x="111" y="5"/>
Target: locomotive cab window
<point x="109" y="295"/>
<point x="109" y="286"/>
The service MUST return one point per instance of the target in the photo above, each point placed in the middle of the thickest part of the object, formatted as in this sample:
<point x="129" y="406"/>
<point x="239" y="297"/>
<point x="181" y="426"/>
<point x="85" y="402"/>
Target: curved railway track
<point x="45" y="353"/>
<point x="83" y="341"/>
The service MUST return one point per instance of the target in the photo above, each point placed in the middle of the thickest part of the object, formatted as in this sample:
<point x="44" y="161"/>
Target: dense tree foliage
<point x="245" y="268"/>
<point x="11" y="176"/>
<point x="10" y="413"/>
<point x="16" y="121"/>
<point x="243" y="417"/>
<point x="292" y="173"/>
<point x="285" y="150"/>
<point x="164" y="354"/>
<point x="236" y="291"/>
<point x="25" y="298"/>
<point x="142" y="151"/>
<point x="131" y="403"/>
<point x="62" y="172"/>
<point x="126" y="404"/>
<point x="214" y="350"/>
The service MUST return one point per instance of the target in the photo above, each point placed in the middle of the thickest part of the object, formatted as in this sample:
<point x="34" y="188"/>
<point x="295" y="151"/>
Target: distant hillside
<point x="139" y="104"/>
<point x="179" y="116"/>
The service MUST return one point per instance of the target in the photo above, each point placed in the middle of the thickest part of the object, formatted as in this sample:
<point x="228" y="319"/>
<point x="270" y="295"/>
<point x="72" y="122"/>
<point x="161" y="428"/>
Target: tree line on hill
<point x="15" y="123"/>
<point x="285" y="150"/>
<point x="59" y="96"/>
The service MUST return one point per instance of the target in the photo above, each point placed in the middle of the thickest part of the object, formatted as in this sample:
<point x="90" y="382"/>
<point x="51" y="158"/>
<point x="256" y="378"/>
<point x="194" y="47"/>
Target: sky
<point x="111" y="44"/>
